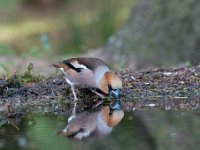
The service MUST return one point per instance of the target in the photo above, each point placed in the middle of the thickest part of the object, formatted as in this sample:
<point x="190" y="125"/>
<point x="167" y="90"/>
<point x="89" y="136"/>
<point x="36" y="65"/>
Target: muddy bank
<point x="168" y="89"/>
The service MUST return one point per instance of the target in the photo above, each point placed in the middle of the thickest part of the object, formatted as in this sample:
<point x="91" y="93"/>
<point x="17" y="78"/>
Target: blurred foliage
<point x="37" y="27"/>
<point x="157" y="32"/>
<point x="19" y="79"/>
<point x="28" y="76"/>
<point x="160" y="32"/>
<point x="9" y="3"/>
<point x="6" y="50"/>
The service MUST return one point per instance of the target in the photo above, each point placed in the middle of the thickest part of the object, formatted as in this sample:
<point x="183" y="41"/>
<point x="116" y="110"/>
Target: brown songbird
<point x="94" y="124"/>
<point x="92" y="73"/>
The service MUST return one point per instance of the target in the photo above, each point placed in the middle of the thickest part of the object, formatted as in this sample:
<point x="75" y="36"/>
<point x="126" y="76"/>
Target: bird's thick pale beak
<point x="116" y="93"/>
<point x="116" y="105"/>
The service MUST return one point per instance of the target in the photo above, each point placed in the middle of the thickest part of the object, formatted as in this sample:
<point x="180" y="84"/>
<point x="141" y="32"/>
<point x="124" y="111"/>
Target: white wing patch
<point x="77" y="65"/>
<point x="82" y="135"/>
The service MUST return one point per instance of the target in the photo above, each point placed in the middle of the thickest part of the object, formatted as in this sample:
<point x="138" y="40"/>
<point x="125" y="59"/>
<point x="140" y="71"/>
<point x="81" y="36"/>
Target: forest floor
<point x="160" y="89"/>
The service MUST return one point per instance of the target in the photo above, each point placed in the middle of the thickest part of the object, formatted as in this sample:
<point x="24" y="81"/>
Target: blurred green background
<point x="125" y="33"/>
<point x="58" y="26"/>
<point x="46" y="31"/>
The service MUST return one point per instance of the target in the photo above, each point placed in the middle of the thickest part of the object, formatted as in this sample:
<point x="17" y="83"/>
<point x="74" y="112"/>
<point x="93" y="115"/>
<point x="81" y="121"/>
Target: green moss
<point x="28" y="76"/>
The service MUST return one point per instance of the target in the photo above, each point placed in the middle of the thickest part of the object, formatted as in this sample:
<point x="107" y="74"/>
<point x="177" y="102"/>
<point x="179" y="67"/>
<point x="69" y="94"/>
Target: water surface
<point x="149" y="130"/>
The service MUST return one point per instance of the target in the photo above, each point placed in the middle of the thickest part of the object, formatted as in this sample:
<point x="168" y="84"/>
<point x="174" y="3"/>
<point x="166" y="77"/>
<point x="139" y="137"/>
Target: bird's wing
<point x="83" y="63"/>
<point x="75" y="132"/>
<point x="73" y="64"/>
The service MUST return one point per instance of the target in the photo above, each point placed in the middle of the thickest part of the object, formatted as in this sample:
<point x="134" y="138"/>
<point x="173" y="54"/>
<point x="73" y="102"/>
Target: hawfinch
<point x="93" y="124"/>
<point x="90" y="73"/>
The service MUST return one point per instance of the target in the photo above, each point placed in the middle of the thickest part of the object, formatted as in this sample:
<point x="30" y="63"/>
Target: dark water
<point x="145" y="130"/>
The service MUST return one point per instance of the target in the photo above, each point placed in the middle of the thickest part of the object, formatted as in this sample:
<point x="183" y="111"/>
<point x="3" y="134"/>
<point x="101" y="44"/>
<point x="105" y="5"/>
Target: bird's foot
<point x="97" y="104"/>
<point x="97" y="93"/>
<point x="74" y="107"/>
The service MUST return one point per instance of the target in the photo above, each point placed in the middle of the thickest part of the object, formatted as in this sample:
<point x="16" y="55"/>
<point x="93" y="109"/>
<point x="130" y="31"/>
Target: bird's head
<point x="112" y="117"/>
<point x="111" y="84"/>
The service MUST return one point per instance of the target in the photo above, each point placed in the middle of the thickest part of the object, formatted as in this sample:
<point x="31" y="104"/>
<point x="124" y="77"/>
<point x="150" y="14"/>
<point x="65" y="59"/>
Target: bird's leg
<point x="97" y="93"/>
<point x="100" y="95"/>
<point x="97" y="104"/>
<point x="75" y="100"/>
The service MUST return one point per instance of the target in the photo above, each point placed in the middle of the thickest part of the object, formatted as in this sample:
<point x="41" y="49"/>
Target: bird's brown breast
<point x="83" y="79"/>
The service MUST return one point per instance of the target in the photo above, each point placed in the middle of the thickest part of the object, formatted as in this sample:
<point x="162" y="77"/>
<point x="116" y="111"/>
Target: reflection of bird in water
<point x="94" y="124"/>
<point x="90" y="73"/>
